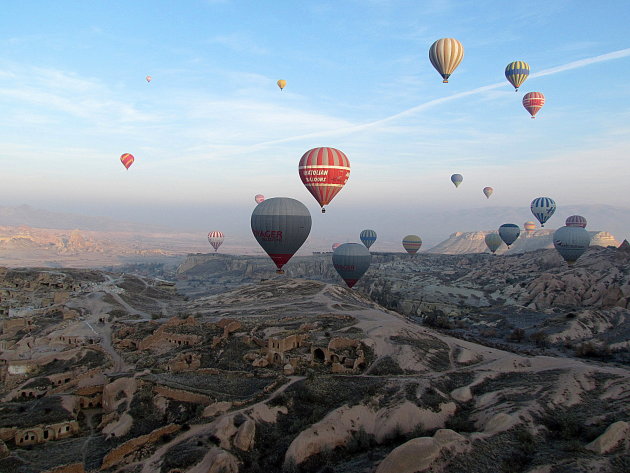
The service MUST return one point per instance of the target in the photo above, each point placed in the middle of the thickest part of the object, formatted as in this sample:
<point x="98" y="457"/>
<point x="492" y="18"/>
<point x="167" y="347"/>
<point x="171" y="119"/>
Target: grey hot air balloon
<point x="509" y="232"/>
<point x="571" y="242"/>
<point x="493" y="241"/>
<point x="351" y="260"/>
<point x="457" y="179"/>
<point x="368" y="237"/>
<point x="281" y="225"/>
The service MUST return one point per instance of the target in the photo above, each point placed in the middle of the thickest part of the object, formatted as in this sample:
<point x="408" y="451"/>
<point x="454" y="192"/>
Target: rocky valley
<point x="458" y="363"/>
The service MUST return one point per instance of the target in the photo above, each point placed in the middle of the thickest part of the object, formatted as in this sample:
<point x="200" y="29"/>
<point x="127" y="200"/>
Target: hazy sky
<point x="212" y="129"/>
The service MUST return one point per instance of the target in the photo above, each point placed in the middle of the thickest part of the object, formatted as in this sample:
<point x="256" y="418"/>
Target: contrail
<point x="546" y="72"/>
<point x="431" y="103"/>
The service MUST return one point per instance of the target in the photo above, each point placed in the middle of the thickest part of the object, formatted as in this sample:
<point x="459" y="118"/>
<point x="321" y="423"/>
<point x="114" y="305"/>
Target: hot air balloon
<point x="148" y="78"/>
<point x="493" y="241"/>
<point x="281" y="225"/>
<point x="533" y="101"/>
<point x="335" y="246"/>
<point x="543" y="208"/>
<point x="516" y="72"/>
<point x="575" y="221"/>
<point x="445" y="55"/>
<point x="368" y="237"/>
<point x="324" y="171"/>
<point x="529" y="226"/>
<point x="351" y="260"/>
<point x="412" y="243"/>
<point x="127" y="159"/>
<point x="571" y="242"/>
<point x="259" y="198"/>
<point x="457" y="179"/>
<point x="488" y="191"/>
<point x="215" y="238"/>
<point x="509" y="232"/>
<point x="282" y="84"/>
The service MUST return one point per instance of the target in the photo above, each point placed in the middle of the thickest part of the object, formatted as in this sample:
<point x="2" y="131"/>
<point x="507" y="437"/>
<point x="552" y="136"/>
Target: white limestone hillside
<point x="473" y="242"/>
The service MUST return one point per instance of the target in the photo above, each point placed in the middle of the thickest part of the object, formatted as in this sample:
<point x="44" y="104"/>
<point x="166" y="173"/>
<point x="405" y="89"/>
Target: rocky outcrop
<point x="616" y="435"/>
<point x="420" y="454"/>
<point x="244" y="439"/>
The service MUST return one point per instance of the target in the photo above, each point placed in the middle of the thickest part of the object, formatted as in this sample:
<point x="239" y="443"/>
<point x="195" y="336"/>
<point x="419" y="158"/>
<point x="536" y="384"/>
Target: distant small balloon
<point x="368" y="237"/>
<point x="516" y="72"/>
<point x="571" y="242"/>
<point x="215" y="238"/>
<point x="335" y="246"/>
<point x="457" y="179"/>
<point x="529" y="226"/>
<point x="148" y="78"/>
<point x="533" y="102"/>
<point x="445" y="55"/>
<point x="259" y="198"/>
<point x="282" y="84"/>
<point x="411" y="244"/>
<point x="127" y="160"/>
<point x="543" y="208"/>
<point x="493" y="241"/>
<point x="488" y="191"/>
<point x="575" y="221"/>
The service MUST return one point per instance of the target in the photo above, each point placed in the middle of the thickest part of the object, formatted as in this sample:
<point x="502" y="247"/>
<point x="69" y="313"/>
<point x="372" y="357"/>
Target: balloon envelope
<point x="493" y="241"/>
<point x="324" y="171"/>
<point x="516" y="72"/>
<point x="488" y="191"/>
<point x="529" y="226"/>
<point x="127" y="160"/>
<point x="351" y="260"/>
<point x="445" y="55"/>
<point x="412" y="243"/>
<point x="571" y="242"/>
<point x="215" y="238"/>
<point x="533" y="102"/>
<point x="509" y="232"/>
<point x="457" y="179"/>
<point x="368" y="237"/>
<point x="282" y="84"/>
<point x="281" y="225"/>
<point x="259" y="198"/>
<point x="575" y="221"/>
<point x="335" y="246"/>
<point x="543" y="208"/>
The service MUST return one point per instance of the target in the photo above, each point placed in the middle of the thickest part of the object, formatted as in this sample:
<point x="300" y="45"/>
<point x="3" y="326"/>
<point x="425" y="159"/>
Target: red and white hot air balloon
<point x="127" y="160"/>
<point x="215" y="238"/>
<point x="259" y="198"/>
<point x="324" y="172"/>
<point x="533" y="102"/>
<point x="148" y="78"/>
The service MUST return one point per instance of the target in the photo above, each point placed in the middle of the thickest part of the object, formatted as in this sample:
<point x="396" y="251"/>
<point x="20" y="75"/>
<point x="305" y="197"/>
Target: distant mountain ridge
<point x="474" y="242"/>
<point x="39" y="218"/>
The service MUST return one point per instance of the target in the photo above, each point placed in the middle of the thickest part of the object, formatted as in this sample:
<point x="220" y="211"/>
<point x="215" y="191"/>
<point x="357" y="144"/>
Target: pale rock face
<point x="244" y="439"/>
<point x="419" y="454"/>
<point x="217" y="408"/>
<point x="216" y="460"/>
<point x="499" y="423"/>
<point x="462" y="394"/>
<point x="616" y="434"/>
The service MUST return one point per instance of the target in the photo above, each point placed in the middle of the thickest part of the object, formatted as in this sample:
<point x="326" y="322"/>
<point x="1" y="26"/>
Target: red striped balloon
<point x="533" y="102"/>
<point x="127" y="159"/>
<point x="215" y="238"/>
<point x="324" y="172"/>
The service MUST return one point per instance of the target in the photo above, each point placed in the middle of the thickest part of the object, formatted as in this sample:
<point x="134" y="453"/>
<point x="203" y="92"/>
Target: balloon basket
<point x="323" y="210"/>
<point x="279" y="271"/>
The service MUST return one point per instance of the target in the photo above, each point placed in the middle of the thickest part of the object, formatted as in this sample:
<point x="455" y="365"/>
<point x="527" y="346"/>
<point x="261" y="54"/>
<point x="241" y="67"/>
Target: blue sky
<point x="212" y="129"/>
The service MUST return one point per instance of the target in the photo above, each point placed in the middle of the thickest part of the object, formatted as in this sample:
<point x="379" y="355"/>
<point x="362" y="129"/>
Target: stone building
<point x="46" y="433"/>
